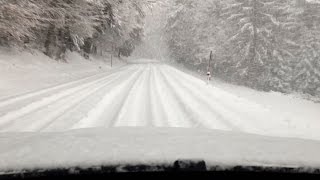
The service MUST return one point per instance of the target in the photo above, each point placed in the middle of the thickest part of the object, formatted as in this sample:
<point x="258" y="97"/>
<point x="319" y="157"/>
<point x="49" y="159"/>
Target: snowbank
<point x="22" y="72"/>
<point x="302" y="116"/>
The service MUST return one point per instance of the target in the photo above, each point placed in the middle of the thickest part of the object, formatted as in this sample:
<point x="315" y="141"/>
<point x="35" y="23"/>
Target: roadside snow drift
<point x="22" y="72"/>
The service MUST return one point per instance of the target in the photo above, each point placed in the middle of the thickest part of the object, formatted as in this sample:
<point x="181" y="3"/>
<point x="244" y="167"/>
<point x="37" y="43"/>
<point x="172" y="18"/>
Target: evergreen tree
<point x="307" y="68"/>
<point x="258" y="33"/>
<point x="55" y="26"/>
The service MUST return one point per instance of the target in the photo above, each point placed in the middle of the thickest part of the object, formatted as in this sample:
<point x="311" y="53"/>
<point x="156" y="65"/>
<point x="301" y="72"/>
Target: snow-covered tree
<point x="18" y="19"/>
<point x="265" y="44"/>
<point x="307" y="69"/>
<point x="182" y="31"/>
<point x="259" y="32"/>
<point x="306" y="76"/>
<point x="55" y="26"/>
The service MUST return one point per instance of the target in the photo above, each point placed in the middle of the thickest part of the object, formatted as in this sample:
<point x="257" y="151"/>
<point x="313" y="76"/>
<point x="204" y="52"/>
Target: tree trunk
<point x="62" y="45"/>
<point x="87" y="47"/>
<point x="49" y="41"/>
<point x="255" y="33"/>
<point x="253" y="70"/>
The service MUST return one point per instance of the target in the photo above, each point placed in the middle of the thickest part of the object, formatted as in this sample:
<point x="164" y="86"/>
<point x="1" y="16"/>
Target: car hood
<point x="116" y="146"/>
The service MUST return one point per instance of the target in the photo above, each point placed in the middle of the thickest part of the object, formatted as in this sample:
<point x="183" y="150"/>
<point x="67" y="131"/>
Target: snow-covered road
<point x="175" y="115"/>
<point x="139" y="95"/>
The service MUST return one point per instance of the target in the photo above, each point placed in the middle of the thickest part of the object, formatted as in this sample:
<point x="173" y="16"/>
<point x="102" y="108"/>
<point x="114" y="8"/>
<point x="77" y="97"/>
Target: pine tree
<point x="258" y="39"/>
<point x="181" y="31"/>
<point x="307" y="68"/>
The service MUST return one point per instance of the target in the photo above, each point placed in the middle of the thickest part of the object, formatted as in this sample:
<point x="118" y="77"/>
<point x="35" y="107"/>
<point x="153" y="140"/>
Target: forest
<point x="85" y="26"/>
<point x="269" y="45"/>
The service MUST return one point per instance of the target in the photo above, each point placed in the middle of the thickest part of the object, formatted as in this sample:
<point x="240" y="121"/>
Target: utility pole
<point x="111" y="60"/>
<point x="210" y="59"/>
<point x="209" y="68"/>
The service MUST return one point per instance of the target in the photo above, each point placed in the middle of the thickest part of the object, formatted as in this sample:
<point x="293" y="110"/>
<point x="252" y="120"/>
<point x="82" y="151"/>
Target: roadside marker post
<point x="209" y="68"/>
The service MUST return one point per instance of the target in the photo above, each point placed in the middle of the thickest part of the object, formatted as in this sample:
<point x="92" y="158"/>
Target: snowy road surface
<point x="142" y="95"/>
<point x="175" y="115"/>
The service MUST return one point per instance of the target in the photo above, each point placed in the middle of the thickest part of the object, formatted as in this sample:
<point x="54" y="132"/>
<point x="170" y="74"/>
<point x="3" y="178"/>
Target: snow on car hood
<point x="111" y="146"/>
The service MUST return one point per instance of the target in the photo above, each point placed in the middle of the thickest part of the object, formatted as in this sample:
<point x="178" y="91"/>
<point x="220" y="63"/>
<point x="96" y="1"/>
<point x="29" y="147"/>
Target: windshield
<point x="105" y="82"/>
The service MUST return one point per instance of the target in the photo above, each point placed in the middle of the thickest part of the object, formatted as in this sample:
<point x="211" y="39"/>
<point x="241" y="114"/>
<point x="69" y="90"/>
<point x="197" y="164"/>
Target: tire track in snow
<point x="4" y="103"/>
<point x="76" y="101"/>
<point x="108" y="106"/>
<point x="159" y="116"/>
<point x="148" y="105"/>
<point x="189" y="102"/>
<point x="208" y="110"/>
<point x="178" y="113"/>
<point x="34" y="106"/>
<point x="171" y="117"/>
<point x="248" y="119"/>
<point x="78" y="112"/>
<point x="45" y="101"/>
<point x="38" y="118"/>
<point x="133" y="111"/>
